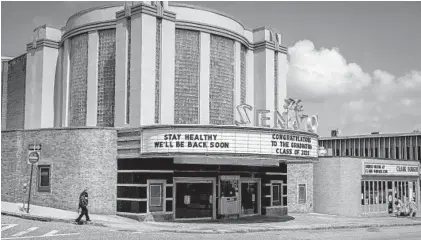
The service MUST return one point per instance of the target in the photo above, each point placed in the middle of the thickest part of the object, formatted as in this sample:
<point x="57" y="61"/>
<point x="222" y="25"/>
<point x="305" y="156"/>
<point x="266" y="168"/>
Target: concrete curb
<point x="215" y="231"/>
<point x="280" y="229"/>
<point x="44" y="219"/>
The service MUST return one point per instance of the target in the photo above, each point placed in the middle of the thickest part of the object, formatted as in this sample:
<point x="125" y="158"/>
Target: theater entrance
<point x="194" y="198"/>
<point x="250" y="197"/>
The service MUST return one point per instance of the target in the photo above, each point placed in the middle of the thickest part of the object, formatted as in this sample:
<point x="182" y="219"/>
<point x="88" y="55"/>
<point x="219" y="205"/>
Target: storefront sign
<point x="229" y="141"/>
<point x="292" y="118"/>
<point x="390" y="169"/>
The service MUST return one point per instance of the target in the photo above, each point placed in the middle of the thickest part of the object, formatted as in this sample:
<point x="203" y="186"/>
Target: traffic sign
<point x="34" y="147"/>
<point x="33" y="157"/>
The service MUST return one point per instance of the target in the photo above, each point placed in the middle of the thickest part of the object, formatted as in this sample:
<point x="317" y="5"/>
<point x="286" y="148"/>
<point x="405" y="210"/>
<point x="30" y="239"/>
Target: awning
<point x="229" y="160"/>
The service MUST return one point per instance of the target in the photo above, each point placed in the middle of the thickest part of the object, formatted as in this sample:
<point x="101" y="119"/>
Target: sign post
<point x="33" y="158"/>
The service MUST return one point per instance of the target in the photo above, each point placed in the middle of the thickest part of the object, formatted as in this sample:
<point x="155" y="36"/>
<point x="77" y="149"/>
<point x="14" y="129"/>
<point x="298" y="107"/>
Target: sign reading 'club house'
<point x="229" y="141"/>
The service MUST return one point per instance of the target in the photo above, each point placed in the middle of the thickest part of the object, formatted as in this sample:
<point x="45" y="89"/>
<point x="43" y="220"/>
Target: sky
<point x="357" y="65"/>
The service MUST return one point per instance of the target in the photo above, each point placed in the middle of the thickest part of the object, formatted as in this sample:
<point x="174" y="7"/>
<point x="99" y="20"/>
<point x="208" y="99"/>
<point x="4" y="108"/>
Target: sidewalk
<point x="57" y="215"/>
<point x="297" y="221"/>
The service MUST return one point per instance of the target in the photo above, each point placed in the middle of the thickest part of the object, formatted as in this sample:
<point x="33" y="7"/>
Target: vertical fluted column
<point x="282" y="79"/>
<point x="167" y="71"/>
<point x="142" y="70"/>
<point x="121" y="72"/>
<point x="237" y="79"/>
<point x="204" y="78"/>
<point x="92" y="91"/>
<point x="66" y="83"/>
<point x="250" y="82"/>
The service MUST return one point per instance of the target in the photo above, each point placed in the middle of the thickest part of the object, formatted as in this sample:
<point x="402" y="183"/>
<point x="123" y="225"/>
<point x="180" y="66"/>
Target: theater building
<point x="163" y="110"/>
<point x="364" y="175"/>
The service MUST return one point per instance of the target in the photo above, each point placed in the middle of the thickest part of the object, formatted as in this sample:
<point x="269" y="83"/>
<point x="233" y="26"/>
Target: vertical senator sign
<point x="34" y="154"/>
<point x="292" y="118"/>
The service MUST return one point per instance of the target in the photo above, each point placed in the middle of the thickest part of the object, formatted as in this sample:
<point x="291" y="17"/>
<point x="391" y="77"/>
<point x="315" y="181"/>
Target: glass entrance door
<point x="249" y="197"/>
<point x="194" y="200"/>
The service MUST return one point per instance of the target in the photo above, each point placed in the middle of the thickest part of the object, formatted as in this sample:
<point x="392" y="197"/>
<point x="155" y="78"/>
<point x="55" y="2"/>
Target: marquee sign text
<point x="230" y="141"/>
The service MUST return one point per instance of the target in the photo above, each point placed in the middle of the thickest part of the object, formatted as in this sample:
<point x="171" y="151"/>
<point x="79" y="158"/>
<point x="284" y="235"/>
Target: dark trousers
<point x="84" y="212"/>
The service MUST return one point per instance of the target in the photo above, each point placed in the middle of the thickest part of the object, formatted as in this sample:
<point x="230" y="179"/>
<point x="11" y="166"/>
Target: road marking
<point x="42" y="236"/>
<point x="52" y="233"/>
<point x="25" y="232"/>
<point x="7" y="226"/>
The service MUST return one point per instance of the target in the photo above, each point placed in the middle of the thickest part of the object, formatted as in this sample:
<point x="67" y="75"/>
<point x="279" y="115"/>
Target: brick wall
<point x="275" y="211"/>
<point x="16" y="93"/>
<point x="222" y="76"/>
<point x="187" y="74"/>
<point x="326" y="172"/>
<point x="11" y="151"/>
<point x="337" y="183"/>
<point x="106" y="78"/>
<point x="78" y="158"/>
<point x="243" y="73"/>
<point x="299" y="173"/>
<point x="78" y="80"/>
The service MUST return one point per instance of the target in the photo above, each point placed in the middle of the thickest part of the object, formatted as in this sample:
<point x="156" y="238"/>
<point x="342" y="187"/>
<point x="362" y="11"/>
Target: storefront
<point x="363" y="187"/>
<point x="202" y="172"/>
<point x="382" y="184"/>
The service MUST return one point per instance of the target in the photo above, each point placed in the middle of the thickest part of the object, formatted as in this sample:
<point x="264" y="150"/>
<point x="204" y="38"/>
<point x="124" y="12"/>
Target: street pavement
<point x="18" y="228"/>
<point x="296" y="221"/>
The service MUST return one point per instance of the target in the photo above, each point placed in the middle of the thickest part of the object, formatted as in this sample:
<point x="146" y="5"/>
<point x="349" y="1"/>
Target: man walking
<point x="83" y="204"/>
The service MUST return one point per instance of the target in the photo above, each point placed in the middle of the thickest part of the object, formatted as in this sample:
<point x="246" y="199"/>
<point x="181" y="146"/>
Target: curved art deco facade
<point x="148" y="63"/>
<point x="169" y="84"/>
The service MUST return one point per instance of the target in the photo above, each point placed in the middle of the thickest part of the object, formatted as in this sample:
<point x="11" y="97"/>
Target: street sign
<point x="34" y="147"/>
<point x="33" y="157"/>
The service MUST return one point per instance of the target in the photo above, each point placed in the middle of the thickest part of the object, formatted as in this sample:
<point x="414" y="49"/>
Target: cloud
<point x="324" y="72"/>
<point x="377" y="101"/>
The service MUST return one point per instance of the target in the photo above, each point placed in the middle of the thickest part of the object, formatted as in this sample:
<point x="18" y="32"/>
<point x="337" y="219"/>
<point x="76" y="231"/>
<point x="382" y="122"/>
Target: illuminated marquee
<point x="292" y="118"/>
<point x="229" y="140"/>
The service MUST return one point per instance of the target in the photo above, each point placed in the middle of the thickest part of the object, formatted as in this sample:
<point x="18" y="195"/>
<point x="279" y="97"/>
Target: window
<point x="302" y="193"/>
<point x="276" y="194"/>
<point x="419" y="153"/>
<point x="386" y="153"/>
<point x="397" y="152"/>
<point x="44" y="178"/>
<point x="366" y="152"/>
<point x="356" y="152"/>
<point x="408" y="153"/>
<point x="376" y="152"/>
<point x="347" y="152"/>
<point x="413" y="153"/>
<point x="337" y="152"/>
<point x="156" y="197"/>
<point x="362" y="192"/>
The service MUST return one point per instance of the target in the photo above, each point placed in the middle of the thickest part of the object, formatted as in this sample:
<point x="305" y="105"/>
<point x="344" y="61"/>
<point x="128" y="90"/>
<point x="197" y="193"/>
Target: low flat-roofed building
<point x="365" y="174"/>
